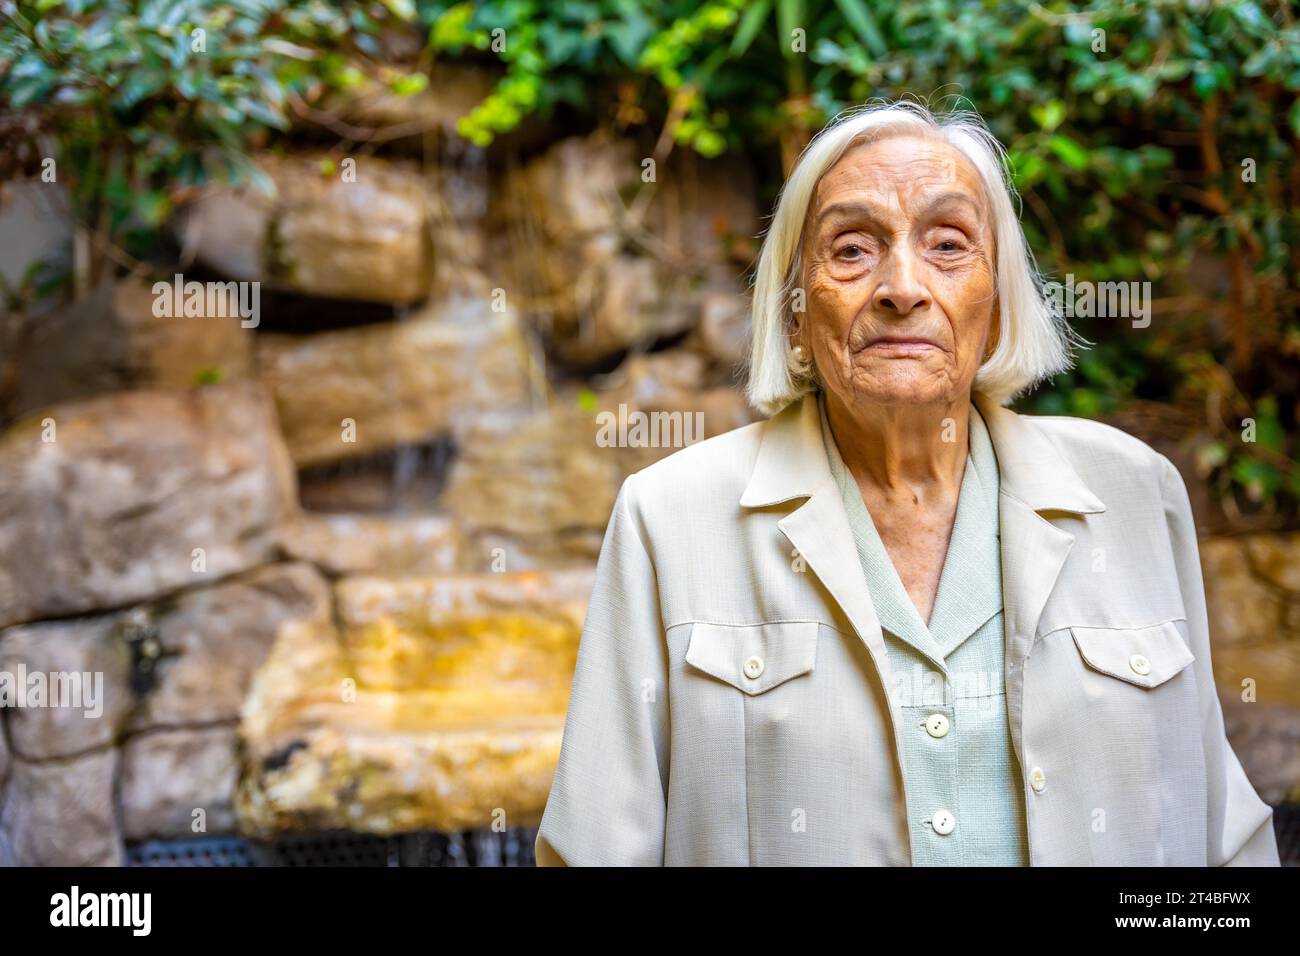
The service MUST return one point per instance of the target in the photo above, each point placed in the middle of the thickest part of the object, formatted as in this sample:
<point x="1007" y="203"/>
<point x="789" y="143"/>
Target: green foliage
<point x="145" y="99"/>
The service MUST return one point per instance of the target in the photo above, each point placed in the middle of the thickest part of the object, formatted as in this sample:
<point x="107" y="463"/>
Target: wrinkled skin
<point x="898" y="246"/>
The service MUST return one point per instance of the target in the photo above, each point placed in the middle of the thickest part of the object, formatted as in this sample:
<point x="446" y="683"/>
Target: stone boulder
<point x="1244" y="608"/>
<point x="486" y="550"/>
<point x="454" y="89"/>
<point x="724" y="329"/>
<point x="202" y="649"/>
<point x="596" y="281"/>
<point x="180" y="783"/>
<point x="331" y="230"/>
<point x="61" y="812"/>
<point x="400" y="383"/>
<point x="1266" y="738"/>
<point x="6" y="758"/>
<point x="126" y="497"/>
<point x="704" y="214"/>
<point x="93" y="662"/>
<point x="1252" y="594"/>
<point x="439" y="705"/>
<point x="661" y="402"/>
<point x="342" y="544"/>
<point x="213" y="640"/>
<point x="112" y="340"/>
<point x="533" y="475"/>
<point x="485" y="634"/>
<point x="175" y="676"/>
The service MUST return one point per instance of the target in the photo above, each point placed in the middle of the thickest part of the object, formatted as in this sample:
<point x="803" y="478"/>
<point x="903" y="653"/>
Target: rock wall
<point x="1253" y="599"/>
<point x="152" y="751"/>
<point x="435" y="704"/>
<point x="128" y="496"/>
<point x="333" y="232"/>
<point x="399" y="660"/>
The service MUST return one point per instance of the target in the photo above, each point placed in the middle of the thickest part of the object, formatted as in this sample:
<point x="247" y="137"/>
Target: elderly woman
<point x="897" y="623"/>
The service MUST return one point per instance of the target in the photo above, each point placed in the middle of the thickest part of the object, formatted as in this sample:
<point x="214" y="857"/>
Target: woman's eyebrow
<point x="947" y="199"/>
<point x="846" y="209"/>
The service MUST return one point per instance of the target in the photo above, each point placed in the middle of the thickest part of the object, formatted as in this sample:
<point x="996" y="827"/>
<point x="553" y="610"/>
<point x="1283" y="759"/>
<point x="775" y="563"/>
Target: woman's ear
<point x="800" y="352"/>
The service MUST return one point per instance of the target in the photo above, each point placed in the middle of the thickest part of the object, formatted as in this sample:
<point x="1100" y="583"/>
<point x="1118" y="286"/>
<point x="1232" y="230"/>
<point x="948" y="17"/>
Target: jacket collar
<point x="792" y="461"/>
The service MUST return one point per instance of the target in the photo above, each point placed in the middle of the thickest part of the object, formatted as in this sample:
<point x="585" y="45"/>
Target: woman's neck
<point x="916" y="452"/>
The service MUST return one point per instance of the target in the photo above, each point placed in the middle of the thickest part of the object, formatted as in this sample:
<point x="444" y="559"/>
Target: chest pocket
<point x="1146" y="656"/>
<point x="753" y="658"/>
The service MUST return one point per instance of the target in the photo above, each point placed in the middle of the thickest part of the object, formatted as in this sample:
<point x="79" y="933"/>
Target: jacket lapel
<point x="1034" y="479"/>
<point x="792" y="464"/>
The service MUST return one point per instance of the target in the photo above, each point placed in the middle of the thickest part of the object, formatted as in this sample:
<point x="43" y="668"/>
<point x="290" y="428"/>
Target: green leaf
<point x="408" y="84"/>
<point x="864" y="24"/>
<point x="750" y="23"/>
<point x="1205" y="82"/>
<point x="1069" y="152"/>
<point x="789" y="17"/>
<point x="153" y="208"/>
<point x="1048" y="116"/>
<point x="140" y="85"/>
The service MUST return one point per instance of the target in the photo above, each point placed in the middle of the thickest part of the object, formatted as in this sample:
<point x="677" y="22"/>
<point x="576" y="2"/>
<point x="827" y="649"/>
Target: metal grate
<point x="473" y="848"/>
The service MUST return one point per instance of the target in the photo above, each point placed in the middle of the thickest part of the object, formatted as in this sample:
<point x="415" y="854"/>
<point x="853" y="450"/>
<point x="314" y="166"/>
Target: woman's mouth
<point x="901" y="346"/>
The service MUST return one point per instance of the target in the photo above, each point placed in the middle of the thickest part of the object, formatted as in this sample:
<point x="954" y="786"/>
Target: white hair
<point x="1034" y="341"/>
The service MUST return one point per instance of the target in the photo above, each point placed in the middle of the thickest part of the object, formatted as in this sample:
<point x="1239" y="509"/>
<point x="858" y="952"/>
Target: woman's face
<point x="898" y="268"/>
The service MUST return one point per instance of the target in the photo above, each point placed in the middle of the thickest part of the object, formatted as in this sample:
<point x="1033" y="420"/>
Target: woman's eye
<point x="948" y="239"/>
<point x="847" y="249"/>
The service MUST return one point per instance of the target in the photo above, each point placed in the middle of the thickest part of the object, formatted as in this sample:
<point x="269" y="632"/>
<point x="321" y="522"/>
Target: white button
<point x="943" y="822"/>
<point x="753" y="667"/>
<point x="1139" y="664"/>
<point x="1037" y="779"/>
<point x="936" y="725"/>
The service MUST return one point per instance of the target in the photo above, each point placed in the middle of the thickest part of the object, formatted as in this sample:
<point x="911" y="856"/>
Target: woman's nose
<point x="900" y="290"/>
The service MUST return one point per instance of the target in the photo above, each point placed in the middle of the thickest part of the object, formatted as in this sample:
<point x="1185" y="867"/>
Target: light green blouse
<point x="962" y="773"/>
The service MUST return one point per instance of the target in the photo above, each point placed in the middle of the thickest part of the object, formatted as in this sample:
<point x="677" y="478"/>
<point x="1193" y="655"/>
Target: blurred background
<point x="313" y="314"/>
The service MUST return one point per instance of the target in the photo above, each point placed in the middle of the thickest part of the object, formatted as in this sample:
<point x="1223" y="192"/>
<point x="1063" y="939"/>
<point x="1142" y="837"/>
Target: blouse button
<point x="754" y="667"/>
<point x="936" y="725"/>
<point x="943" y="822"/>
<point x="1139" y="664"/>
<point x="1037" y="779"/>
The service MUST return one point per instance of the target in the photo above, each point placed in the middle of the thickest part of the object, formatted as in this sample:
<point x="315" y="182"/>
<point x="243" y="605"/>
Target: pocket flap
<point x="754" y="657"/>
<point x="1146" y="656"/>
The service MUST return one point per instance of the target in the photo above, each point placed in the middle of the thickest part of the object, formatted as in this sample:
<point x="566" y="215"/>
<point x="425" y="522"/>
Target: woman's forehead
<point x="920" y="168"/>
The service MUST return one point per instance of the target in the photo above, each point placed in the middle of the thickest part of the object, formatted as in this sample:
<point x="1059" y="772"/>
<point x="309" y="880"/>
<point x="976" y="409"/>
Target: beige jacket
<point x="729" y="705"/>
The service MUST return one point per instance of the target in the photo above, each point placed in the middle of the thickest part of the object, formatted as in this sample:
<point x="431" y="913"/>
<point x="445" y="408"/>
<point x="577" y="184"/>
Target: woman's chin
<point x="901" y="387"/>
